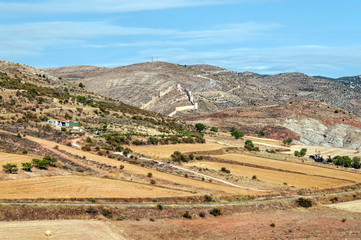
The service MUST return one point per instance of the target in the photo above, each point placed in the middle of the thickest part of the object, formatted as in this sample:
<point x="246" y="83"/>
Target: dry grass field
<point x="165" y="151"/>
<point x="314" y="223"/>
<point x="292" y="179"/>
<point x="14" y="158"/>
<point x="295" y="167"/>
<point x="60" y="230"/>
<point x="353" y="206"/>
<point x="81" y="187"/>
<point x="175" y="180"/>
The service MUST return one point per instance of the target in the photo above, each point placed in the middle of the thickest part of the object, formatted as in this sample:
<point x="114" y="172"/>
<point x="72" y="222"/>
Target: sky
<point x="315" y="37"/>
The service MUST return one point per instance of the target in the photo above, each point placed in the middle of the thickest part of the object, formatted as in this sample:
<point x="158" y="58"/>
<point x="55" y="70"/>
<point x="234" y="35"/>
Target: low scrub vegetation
<point x="304" y="202"/>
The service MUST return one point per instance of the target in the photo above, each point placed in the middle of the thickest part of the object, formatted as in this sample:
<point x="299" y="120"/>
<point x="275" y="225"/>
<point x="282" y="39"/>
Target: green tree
<point x="10" y="168"/>
<point x="27" y="166"/>
<point x="287" y="141"/>
<point x="237" y="134"/>
<point x="80" y="99"/>
<point x="356" y="162"/>
<point x="81" y="85"/>
<point x="200" y="127"/>
<point x="214" y="129"/>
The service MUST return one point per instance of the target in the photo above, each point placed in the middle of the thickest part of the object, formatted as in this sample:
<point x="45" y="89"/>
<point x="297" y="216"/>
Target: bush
<point x="208" y="198"/>
<point x="149" y="174"/>
<point x="10" y="168"/>
<point x="187" y="215"/>
<point x="356" y="162"/>
<point x="202" y="214"/>
<point x="301" y="153"/>
<point x="86" y="148"/>
<point x="27" y="166"/>
<point x="216" y="212"/>
<point x="107" y="213"/>
<point x="214" y="129"/>
<point x="254" y="177"/>
<point x="303" y="202"/>
<point x="237" y="134"/>
<point x="160" y="207"/>
<point x="223" y="169"/>
<point x="152" y="182"/>
<point x="25" y="151"/>
<point x="250" y="146"/>
<point x="273" y="225"/>
<point x="287" y="141"/>
<point x="200" y="127"/>
<point x="41" y="164"/>
<point x="179" y="157"/>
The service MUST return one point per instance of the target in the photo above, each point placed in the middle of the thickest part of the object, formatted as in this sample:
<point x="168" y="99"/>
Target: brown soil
<point x="314" y="223"/>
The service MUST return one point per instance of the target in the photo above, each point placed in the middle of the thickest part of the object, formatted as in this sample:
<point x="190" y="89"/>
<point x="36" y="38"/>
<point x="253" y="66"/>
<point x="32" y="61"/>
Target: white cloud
<point x="35" y="37"/>
<point x="309" y="59"/>
<point x="100" y="6"/>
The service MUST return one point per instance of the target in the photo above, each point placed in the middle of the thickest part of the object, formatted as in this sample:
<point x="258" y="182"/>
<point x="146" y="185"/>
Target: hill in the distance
<point x="213" y="88"/>
<point x="314" y="110"/>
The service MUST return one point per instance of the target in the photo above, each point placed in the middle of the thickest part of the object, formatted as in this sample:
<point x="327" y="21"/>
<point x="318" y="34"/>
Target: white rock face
<point x="313" y="132"/>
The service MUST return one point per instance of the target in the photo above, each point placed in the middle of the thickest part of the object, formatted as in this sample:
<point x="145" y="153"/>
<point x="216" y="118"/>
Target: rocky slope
<point x="308" y="122"/>
<point x="213" y="88"/>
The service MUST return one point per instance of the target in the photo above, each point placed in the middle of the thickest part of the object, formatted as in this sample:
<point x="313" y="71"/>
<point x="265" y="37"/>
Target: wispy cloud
<point x="310" y="59"/>
<point x="35" y="37"/>
<point x="100" y="6"/>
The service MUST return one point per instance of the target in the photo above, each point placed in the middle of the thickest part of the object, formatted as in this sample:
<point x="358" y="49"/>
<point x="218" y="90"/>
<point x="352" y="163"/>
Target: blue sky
<point x="316" y="37"/>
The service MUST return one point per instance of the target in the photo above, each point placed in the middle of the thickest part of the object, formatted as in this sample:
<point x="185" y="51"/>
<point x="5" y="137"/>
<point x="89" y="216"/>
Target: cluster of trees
<point x="250" y="146"/>
<point x="346" y="161"/>
<point x="236" y="133"/>
<point x="301" y="153"/>
<point x="180" y="157"/>
<point x="287" y="141"/>
<point x="41" y="164"/>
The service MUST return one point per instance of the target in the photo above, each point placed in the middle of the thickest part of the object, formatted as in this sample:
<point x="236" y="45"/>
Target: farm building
<point x="62" y="123"/>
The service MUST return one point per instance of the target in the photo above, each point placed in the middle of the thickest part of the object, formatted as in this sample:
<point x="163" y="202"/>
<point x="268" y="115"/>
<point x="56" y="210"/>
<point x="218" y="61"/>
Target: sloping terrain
<point x="308" y="122"/>
<point x="214" y="88"/>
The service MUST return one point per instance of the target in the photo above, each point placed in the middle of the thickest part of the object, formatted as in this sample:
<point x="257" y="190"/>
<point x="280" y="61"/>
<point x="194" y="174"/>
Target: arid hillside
<point x="213" y="88"/>
<point x="308" y="122"/>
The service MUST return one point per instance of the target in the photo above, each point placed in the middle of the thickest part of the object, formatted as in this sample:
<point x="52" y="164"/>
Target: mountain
<point x="313" y="110"/>
<point x="155" y="85"/>
<point x="30" y="96"/>
<point x="352" y="82"/>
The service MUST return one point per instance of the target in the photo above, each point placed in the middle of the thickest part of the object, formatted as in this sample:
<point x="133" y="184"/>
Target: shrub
<point x="149" y="174"/>
<point x="287" y="141"/>
<point x="237" y="134"/>
<point x="41" y="164"/>
<point x="187" y="215"/>
<point x="106" y="213"/>
<point x="179" y="157"/>
<point x="214" y="129"/>
<point x="10" y="168"/>
<point x="27" y="166"/>
<point x="202" y="214"/>
<point x="223" y="169"/>
<point x="200" y="127"/>
<point x="86" y="148"/>
<point x="216" y="212"/>
<point x="160" y="207"/>
<point x="152" y="182"/>
<point x="250" y="146"/>
<point x="208" y="198"/>
<point x="356" y="162"/>
<point x="92" y="211"/>
<point x="254" y="177"/>
<point x="273" y="225"/>
<point x="25" y="151"/>
<point x="304" y="202"/>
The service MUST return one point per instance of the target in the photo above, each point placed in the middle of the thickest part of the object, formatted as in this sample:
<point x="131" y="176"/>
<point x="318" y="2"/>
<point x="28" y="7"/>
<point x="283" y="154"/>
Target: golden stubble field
<point x="59" y="187"/>
<point x="274" y="176"/>
<point x="197" y="186"/>
<point x="59" y="230"/>
<point x="165" y="151"/>
<point x="14" y="158"/>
